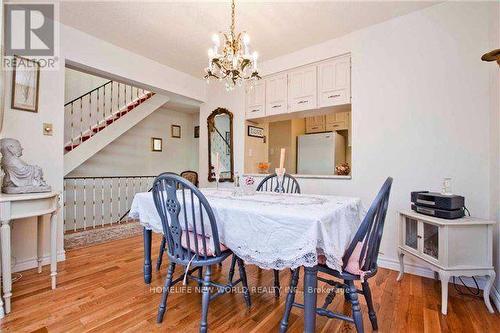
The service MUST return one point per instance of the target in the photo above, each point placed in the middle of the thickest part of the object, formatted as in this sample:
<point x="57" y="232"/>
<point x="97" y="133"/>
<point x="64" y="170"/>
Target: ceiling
<point x="178" y="34"/>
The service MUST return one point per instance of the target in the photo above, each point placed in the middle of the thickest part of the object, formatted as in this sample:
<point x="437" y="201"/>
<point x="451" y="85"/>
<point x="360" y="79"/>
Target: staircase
<point x="98" y="117"/>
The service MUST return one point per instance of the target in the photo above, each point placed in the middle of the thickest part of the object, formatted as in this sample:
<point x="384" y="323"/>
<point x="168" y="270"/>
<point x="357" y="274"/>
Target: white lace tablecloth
<point x="274" y="231"/>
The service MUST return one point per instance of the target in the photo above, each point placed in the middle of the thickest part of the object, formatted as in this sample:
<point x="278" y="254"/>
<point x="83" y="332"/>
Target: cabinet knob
<point x="418" y="236"/>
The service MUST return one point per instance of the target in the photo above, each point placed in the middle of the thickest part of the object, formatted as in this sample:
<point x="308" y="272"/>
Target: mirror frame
<point x="211" y="126"/>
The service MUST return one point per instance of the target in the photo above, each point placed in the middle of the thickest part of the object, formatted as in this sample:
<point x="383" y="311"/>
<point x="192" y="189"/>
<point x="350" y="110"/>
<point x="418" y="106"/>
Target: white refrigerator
<point x="318" y="154"/>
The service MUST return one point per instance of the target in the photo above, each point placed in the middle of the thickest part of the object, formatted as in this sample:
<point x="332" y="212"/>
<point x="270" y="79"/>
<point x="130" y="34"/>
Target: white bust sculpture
<point x="20" y="177"/>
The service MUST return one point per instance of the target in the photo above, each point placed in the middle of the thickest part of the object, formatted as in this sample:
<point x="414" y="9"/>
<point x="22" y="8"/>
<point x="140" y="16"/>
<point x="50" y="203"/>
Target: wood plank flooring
<point x="101" y="289"/>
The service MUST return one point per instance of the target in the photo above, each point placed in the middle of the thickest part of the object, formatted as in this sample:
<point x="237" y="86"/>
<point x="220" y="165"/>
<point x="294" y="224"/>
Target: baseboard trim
<point x="411" y="268"/>
<point x="33" y="263"/>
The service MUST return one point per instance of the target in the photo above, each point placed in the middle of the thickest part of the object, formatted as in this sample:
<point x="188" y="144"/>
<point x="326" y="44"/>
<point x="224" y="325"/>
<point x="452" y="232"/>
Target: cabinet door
<point x="302" y="89"/>
<point x="315" y="124"/>
<point x="276" y="94"/>
<point x="411" y="233"/>
<point x="337" y="121"/>
<point x="255" y="100"/>
<point x="430" y="242"/>
<point x="334" y="80"/>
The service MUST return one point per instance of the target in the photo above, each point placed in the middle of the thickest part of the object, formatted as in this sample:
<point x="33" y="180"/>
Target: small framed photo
<point x="256" y="132"/>
<point x="156" y="144"/>
<point x="197" y="132"/>
<point x="176" y="131"/>
<point x="25" y="84"/>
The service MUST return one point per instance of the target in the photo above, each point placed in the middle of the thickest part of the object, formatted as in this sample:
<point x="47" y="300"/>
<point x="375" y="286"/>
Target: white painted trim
<point x="410" y="268"/>
<point x="33" y="263"/>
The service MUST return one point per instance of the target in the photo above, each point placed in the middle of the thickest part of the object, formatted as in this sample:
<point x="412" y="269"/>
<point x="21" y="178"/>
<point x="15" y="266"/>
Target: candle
<point x="282" y="158"/>
<point x="216" y="165"/>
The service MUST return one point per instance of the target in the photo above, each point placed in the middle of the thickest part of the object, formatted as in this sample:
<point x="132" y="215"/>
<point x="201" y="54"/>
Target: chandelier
<point x="233" y="62"/>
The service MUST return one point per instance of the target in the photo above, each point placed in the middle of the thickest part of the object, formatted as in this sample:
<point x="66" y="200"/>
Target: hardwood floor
<point x="101" y="289"/>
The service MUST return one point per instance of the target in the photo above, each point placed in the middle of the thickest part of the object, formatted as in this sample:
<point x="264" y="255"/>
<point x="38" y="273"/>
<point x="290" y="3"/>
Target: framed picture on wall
<point x="156" y="144"/>
<point x="25" y="84"/>
<point x="176" y="131"/>
<point x="197" y="131"/>
<point x="256" y="132"/>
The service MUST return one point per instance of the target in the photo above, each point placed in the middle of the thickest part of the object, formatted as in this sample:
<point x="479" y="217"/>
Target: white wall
<point x="102" y="58"/>
<point x="420" y="108"/>
<point x="77" y="83"/>
<point x="77" y="48"/>
<point x="131" y="155"/>
<point x="234" y="101"/>
<point x="45" y="151"/>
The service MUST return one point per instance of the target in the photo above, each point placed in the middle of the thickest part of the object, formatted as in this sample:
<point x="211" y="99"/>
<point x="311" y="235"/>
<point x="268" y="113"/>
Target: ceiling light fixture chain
<point x="233" y="61"/>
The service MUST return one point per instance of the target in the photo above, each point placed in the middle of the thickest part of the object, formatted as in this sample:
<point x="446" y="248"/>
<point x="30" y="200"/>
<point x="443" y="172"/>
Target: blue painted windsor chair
<point x="183" y="209"/>
<point x="363" y="253"/>
<point x="270" y="184"/>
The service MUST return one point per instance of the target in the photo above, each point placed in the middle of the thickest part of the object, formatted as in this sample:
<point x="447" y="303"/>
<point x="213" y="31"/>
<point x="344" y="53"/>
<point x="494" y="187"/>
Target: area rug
<point x="102" y="234"/>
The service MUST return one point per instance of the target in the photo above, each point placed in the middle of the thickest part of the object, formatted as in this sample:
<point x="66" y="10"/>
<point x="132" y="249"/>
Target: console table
<point x="18" y="206"/>
<point x="461" y="247"/>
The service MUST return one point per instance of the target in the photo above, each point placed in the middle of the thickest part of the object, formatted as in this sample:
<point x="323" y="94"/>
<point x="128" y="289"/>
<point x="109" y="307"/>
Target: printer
<point x="446" y="206"/>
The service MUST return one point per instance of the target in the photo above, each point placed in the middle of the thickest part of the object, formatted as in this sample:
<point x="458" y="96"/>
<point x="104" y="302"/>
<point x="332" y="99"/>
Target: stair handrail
<point x="87" y="93"/>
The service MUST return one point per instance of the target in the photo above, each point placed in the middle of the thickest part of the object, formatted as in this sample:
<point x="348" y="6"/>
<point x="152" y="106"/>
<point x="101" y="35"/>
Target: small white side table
<point x="461" y="247"/>
<point x="18" y="206"/>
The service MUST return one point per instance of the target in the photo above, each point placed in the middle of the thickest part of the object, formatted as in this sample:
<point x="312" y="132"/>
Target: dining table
<point x="272" y="231"/>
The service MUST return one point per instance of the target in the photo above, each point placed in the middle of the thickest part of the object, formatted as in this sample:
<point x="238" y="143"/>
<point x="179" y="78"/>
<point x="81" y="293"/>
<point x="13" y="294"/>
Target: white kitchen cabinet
<point x="255" y="100"/>
<point x="334" y="82"/>
<point x="302" y="89"/>
<point x="276" y="94"/>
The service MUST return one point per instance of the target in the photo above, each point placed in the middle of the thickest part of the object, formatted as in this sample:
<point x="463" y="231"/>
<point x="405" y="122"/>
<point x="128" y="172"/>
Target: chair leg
<point x="231" y="268"/>
<point x="200" y="276"/>
<point x="160" y="255"/>
<point x="356" y="309"/>
<point x="290" y="298"/>
<point x="346" y="292"/>
<point x="371" y="310"/>
<point x="243" y="276"/>
<point x="205" y="300"/>
<point x="276" y="283"/>
<point x="163" y="302"/>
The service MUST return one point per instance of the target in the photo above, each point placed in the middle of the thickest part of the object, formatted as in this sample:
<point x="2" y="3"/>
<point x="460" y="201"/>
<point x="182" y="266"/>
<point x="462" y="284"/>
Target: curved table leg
<point x="53" y="249"/>
<point x="401" y="265"/>
<point x="445" y="278"/>
<point x="487" y="290"/>
<point x="6" y="268"/>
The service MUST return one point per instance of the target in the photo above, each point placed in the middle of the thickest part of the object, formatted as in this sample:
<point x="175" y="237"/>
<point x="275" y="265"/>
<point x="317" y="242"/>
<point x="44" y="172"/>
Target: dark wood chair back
<point x="183" y="207"/>
<point x="370" y="231"/>
<point x="192" y="176"/>
<point x="270" y="184"/>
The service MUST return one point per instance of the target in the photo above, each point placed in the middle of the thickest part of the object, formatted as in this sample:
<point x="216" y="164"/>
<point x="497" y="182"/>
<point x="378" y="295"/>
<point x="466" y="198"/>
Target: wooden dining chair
<point x="359" y="264"/>
<point x="192" y="176"/>
<point x="270" y="184"/>
<point x="189" y="227"/>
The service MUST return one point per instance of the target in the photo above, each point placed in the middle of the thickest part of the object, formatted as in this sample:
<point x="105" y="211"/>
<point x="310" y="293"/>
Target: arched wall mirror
<point x="220" y="143"/>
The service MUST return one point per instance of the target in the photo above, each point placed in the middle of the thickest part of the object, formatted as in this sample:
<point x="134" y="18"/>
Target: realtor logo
<point x="30" y="31"/>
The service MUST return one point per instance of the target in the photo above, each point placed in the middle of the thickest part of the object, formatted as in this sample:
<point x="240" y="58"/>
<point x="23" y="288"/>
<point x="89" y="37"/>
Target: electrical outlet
<point x="47" y="129"/>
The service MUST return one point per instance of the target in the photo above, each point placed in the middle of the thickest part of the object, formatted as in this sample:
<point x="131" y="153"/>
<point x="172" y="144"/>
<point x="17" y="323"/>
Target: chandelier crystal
<point x="232" y="62"/>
